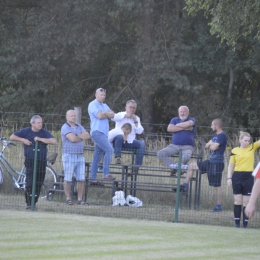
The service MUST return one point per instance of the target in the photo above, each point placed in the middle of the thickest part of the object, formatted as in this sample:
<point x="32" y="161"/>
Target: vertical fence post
<point x="34" y="175"/>
<point x="78" y="114"/>
<point x="178" y="188"/>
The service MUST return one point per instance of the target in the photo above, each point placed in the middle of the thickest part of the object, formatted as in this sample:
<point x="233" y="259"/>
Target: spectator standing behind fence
<point x="72" y="135"/>
<point x="99" y="114"/>
<point x="242" y="164"/>
<point x="215" y="165"/>
<point x="129" y="116"/>
<point x="183" y="129"/>
<point x="29" y="136"/>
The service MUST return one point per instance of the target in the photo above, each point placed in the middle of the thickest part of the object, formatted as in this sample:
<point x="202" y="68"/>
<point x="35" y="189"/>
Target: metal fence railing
<point x="153" y="186"/>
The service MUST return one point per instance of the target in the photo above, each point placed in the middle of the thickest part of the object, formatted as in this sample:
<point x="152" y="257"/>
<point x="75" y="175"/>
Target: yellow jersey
<point x="244" y="158"/>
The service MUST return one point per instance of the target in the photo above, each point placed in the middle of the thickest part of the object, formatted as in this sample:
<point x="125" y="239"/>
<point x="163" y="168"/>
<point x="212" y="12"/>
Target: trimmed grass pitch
<point x="37" y="235"/>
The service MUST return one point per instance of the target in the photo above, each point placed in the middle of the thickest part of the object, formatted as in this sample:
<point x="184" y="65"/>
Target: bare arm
<point x="45" y="140"/>
<point x="250" y="208"/>
<point x="212" y="146"/>
<point x="188" y="126"/>
<point x="231" y="167"/>
<point x="75" y="139"/>
<point x="19" y="139"/>
<point x="105" y="114"/>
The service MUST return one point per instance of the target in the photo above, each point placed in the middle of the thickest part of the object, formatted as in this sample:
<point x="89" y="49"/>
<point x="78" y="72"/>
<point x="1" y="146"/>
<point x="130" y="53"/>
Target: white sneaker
<point x="184" y="167"/>
<point x="173" y="166"/>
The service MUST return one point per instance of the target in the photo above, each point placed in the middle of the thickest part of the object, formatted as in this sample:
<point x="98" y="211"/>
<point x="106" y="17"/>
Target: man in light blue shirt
<point x="99" y="114"/>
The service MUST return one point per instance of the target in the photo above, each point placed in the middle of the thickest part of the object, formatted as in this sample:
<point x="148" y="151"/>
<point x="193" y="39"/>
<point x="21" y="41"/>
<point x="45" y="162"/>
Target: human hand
<point x="134" y="117"/>
<point x="128" y="115"/>
<point x="229" y="182"/>
<point x="250" y="210"/>
<point x="26" y="142"/>
<point x="36" y="138"/>
<point x="188" y="128"/>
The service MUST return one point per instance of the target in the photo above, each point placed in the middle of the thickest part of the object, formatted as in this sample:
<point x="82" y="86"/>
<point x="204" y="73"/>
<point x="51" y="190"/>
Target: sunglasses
<point x="102" y="90"/>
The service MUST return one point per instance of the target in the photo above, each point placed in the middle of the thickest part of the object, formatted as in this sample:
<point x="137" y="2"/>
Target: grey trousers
<point x="165" y="154"/>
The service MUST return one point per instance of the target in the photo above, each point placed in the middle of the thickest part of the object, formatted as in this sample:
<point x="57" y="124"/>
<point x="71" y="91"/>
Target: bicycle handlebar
<point x="5" y="142"/>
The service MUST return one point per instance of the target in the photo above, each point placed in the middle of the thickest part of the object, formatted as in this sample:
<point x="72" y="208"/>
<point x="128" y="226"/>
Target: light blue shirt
<point x="97" y="124"/>
<point x="68" y="146"/>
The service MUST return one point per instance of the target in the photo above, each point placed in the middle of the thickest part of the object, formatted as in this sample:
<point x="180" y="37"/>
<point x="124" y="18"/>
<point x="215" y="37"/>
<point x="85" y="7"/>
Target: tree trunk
<point x="146" y="73"/>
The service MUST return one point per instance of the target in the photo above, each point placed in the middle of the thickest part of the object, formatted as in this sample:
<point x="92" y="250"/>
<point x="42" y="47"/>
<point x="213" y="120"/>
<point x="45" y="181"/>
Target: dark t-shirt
<point x="184" y="137"/>
<point x="29" y="134"/>
<point x="217" y="156"/>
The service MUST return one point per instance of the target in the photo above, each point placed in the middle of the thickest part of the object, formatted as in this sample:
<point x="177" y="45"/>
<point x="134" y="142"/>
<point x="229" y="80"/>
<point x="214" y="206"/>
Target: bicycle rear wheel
<point x="1" y="175"/>
<point x="48" y="185"/>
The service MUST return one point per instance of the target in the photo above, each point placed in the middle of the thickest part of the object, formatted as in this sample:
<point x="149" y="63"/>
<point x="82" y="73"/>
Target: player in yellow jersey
<point x="240" y="168"/>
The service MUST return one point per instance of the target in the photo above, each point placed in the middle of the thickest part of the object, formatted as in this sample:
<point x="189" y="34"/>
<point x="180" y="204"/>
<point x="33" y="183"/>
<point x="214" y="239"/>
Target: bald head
<point x="218" y="122"/>
<point x="71" y="117"/>
<point x="217" y="125"/>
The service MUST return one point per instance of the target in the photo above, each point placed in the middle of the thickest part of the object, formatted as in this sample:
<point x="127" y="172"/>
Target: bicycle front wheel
<point x="48" y="185"/>
<point x="1" y="175"/>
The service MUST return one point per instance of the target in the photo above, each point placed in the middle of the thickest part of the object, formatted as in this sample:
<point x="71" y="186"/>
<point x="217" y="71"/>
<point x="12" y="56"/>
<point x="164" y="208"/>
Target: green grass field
<point x="36" y="235"/>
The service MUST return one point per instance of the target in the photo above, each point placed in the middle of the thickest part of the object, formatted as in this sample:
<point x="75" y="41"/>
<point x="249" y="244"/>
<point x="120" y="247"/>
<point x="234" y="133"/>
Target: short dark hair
<point x="127" y="126"/>
<point x="218" y="122"/>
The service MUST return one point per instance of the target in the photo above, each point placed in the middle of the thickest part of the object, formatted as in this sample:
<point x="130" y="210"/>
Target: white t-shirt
<point x="120" y="120"/>
<point x="113" y="133"/>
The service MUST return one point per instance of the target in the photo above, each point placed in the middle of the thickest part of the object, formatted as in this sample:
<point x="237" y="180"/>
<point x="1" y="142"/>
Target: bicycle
<point x="19" y="182"/>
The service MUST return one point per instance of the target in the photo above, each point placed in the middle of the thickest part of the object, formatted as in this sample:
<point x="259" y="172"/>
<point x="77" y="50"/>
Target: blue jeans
<point x="137" y="145"/>
<point x="102" y="146"/>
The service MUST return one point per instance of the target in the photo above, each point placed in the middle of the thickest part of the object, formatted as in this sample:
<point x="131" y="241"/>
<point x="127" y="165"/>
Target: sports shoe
<point x="28" y="207"/>
<point x="237" y="226"/>
<point x="244" y="226"/>
<point x="216" y="209"/>
<point x="100" y="169"/>
<point x="183" y="188"/>
<point x="173" y="172"/>
<point x="109" y="177"/>
<point x="173" y="166"/>
<point x="118" y="160"/>
<point x="184" y="167"/>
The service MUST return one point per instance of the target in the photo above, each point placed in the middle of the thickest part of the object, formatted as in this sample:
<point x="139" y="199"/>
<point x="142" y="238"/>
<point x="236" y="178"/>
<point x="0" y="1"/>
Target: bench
<point x="149" y="179"/>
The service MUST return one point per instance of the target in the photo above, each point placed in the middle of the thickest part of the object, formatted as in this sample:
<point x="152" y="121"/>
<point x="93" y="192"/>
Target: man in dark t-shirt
<point x="29" y="136"/>
<point x="215" y="165"/>
<point x="183" y="130"/>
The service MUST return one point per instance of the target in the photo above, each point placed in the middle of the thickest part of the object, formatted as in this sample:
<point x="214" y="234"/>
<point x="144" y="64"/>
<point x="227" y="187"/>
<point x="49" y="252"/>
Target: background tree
<point x="54" y="54"/>
<point x="230" y="19"/>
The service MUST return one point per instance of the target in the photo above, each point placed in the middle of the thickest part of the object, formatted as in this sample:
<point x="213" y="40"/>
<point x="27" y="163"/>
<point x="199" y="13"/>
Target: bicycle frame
<point x="19" y="181"/>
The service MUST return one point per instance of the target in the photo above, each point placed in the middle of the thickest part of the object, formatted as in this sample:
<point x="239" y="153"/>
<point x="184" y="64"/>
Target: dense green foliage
<point x="54" y="54"/>
<point x="230" y="19"/>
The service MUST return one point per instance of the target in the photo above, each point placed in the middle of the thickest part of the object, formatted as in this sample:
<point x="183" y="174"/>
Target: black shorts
<point x="214" y="171"/>
<point x="242" y="183"/>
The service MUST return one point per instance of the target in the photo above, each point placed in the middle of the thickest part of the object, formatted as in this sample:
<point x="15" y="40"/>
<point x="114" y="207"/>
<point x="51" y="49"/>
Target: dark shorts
<point x="242" y="183"/>
<point x="214" y="171"/>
